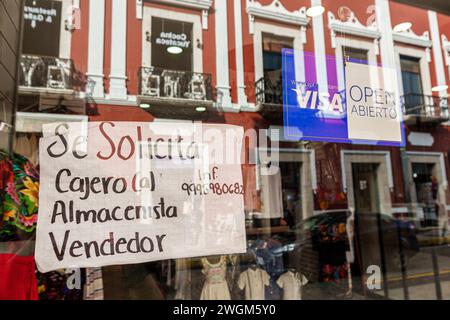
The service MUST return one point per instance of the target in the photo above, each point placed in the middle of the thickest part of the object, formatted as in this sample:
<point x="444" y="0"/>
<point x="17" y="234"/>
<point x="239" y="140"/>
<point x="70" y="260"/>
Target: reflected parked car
<point x="398" y="236"/>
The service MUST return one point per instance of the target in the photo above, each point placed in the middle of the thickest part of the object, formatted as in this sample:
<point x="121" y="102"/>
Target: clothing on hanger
<point x="292" y="282"/>
<point x="215" y="286"/>
<point x="254" y="281"/>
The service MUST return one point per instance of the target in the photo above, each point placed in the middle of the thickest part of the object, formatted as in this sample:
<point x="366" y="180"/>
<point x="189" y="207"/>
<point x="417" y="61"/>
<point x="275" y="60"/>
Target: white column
<point x="96" y="48"/>
<point x="66" y="35"/>
<point x="222" y="67"/>
<point x="437" y="51"/>
<point x="242" y="97"/>
<point x="389" y="57"/>
<point x="320" y="53"/>
<point x="117" y="77"/>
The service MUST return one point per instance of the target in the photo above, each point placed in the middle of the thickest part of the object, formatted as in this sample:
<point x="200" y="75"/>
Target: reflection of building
<point x="220" y="61"/>
<point x="9" y="43"/>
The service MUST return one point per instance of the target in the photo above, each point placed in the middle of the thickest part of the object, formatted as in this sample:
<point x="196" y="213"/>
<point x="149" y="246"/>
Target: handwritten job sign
<point x="122" y="193"/>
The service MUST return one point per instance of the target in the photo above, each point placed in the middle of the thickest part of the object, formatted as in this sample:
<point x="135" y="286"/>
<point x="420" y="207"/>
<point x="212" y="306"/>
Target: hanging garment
<point x="27" y="145"/>
<point x="17" y="278"/>
<point x="216" y="286"/>
<point x="272" y="196"/>
<point x="19" y="196"/>
<point x="254" y="281"/>
<point x="291" y="283"/>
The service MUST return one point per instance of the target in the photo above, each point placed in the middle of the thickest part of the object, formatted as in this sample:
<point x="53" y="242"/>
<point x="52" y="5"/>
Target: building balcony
<point x="172" y="92"/>
<point x="46" y="74"/>
<point x="269" y="98"/>
<point x="418" y="108"/>
<point x="48" y="83"/>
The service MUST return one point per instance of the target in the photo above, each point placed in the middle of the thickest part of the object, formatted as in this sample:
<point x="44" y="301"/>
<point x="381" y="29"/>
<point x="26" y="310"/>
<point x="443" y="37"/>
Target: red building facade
<point x="113" y="64"/>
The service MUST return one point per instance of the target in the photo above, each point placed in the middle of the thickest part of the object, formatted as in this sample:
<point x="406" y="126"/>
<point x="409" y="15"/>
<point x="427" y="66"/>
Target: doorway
<point x="366" y="187"/>
<point x="426" y="187"/>
<point x="369" y="248"/>
<point x="292" y="193"/>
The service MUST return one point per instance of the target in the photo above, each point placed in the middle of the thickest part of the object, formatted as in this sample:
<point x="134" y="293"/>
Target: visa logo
<point x="311" y="100"/>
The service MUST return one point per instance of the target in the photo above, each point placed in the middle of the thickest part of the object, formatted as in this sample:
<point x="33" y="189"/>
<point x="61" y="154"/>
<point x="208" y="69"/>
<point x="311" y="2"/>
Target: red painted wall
<point x="121" y="113"/>
<point x="79" y="45"/>
<point x="134" y="50"/>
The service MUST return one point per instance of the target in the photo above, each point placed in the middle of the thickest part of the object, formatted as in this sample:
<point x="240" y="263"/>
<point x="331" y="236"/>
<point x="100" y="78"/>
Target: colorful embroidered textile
<point x="19" y="197"/>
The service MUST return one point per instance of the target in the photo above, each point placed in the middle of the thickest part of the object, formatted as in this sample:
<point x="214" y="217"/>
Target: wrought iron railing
<point x="425" y="105"/>
<point x="165" y="83"/>
<point x="269" y="91"/>
<point x="47" y="72"/>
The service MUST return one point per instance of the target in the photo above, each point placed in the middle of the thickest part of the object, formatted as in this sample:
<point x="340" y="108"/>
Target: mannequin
<point x="292" y="282"/>
<point x="215" y="286"/>
<point x="253" y="281"/>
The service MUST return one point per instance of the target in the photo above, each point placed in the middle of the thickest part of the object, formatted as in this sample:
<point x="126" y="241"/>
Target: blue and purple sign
<point x="362" y="106"/>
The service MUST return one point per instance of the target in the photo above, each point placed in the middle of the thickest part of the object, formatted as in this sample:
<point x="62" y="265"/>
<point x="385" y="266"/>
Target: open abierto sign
<point x="123" y="192"/>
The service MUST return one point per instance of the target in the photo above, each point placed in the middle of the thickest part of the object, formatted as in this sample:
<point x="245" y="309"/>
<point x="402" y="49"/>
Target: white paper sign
<point x="373" y="103"/>
<point x="125" y="193"/>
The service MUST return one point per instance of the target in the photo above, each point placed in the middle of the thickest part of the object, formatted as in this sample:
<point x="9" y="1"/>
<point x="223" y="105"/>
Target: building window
<point x="426" y="190"/>
<point x="272" y="54"/>
<point x="354" y="55"/>
<point x="270" y="87"/>
<point x="412" y="83"/>
<point x="172" y="44"/>
<point x="43" y="22"/>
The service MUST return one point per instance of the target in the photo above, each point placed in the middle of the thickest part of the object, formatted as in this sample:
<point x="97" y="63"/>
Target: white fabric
<point x="272" y="196"/>
<point x="253" y="281"/>
<point x="216" y="286"/>
<point x="291" y="283"/>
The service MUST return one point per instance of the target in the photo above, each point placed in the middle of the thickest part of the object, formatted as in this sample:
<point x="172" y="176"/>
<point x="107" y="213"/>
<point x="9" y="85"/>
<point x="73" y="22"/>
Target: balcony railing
<point x="46" y="72"/>
<point x="269" y="90"/>
<point x="174" y="84"/>
<point x="425" y="107"/>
